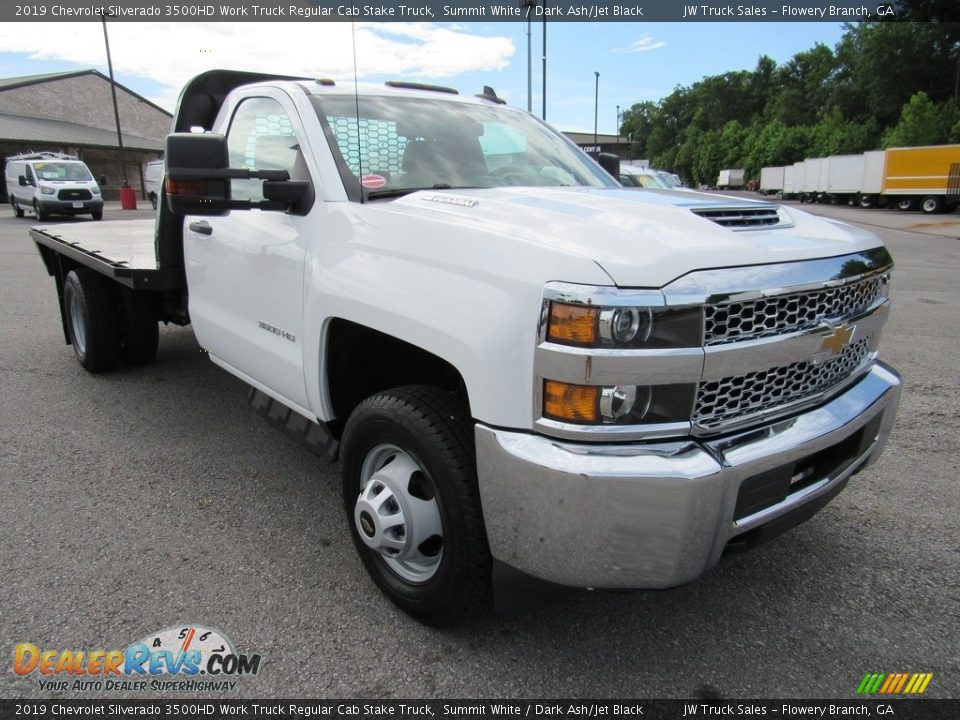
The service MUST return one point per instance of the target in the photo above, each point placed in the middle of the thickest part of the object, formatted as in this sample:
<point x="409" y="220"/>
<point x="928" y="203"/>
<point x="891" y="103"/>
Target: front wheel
<point x="39" y="212"/>
<point x="413" y="504"/>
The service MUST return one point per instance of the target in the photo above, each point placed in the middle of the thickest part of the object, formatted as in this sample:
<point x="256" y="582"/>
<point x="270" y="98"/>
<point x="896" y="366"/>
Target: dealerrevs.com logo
<point x="181" y="658"/>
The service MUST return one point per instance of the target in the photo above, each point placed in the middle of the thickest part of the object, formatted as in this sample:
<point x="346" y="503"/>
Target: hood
<point x="640" y="238"/>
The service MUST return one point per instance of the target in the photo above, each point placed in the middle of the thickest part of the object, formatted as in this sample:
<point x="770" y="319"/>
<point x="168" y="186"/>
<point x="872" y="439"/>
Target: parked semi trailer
<point x="841" y="178"/>
<point x="810" y="187"/>
<point x="771" y="180"/>
<point x="912" y="178"/>
<point x="731" y="179"/>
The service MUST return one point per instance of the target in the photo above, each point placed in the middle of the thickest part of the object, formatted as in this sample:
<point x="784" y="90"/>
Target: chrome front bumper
<point x="659" y="514"/>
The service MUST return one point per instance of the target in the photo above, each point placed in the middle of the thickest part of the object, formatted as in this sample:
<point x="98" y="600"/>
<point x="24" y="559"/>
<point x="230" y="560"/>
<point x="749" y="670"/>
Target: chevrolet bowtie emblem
<point x="838" y="339"/>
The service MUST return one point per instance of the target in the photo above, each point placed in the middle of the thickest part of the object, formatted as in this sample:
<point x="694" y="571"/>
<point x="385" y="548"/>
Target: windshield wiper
<point x="400" y="192"/>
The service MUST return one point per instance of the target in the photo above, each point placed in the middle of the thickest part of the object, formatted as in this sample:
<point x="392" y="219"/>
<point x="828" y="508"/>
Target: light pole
<point x="544" y="59"/>
<point x="618" y="129"/>
<point x="529" y="5"/>
<point x="116" y="110"/>
<point x="596" y="106"/>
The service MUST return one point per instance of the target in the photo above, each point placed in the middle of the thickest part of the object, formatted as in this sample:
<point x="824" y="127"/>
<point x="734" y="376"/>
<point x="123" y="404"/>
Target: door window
<point x="261" y="137"/>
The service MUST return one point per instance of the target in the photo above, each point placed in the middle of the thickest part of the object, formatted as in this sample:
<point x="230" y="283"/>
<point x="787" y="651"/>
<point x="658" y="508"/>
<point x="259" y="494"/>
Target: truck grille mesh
<point x="736" y="321"/>
<point x="722" y="400"/>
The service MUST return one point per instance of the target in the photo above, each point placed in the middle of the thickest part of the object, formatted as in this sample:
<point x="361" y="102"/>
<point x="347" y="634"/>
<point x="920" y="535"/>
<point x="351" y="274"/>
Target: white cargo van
<point x="152" y="180"/>
<point x="52" y="184"/>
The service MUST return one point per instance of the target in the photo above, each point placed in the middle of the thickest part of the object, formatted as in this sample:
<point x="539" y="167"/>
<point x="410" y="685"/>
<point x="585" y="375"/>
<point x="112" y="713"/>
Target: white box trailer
<point x="844" y="177"/>
<point x="731" y="178"/>
<point x="799" y="175"/>
<point x="873" y="164"/>
<point x="771" y="180"/>
<point x="789" y="182"/>
<point x="811" y="179"/>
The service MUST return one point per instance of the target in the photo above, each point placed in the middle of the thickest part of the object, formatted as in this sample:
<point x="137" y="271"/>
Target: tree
<point x="922" y="122"/>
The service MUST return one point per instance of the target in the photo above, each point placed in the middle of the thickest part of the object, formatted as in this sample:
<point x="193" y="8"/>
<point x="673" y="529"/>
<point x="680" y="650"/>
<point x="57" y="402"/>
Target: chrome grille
<point x="74" y="195"/>
<point x="741" y="217"/>
<point x="735" y="321"/>
<point x="733" y="397"/>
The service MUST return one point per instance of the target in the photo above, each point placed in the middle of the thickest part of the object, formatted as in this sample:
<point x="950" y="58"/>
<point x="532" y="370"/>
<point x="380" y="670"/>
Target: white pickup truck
<point x="528" y="373"/>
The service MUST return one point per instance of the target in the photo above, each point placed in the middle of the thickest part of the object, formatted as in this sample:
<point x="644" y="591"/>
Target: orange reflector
<point x="184" y="187"/>
<point x="573" y="323"/>
<point x="571" y="403"/>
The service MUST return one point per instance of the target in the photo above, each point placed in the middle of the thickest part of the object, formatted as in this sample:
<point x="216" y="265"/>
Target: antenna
<point x="356" y="99"/>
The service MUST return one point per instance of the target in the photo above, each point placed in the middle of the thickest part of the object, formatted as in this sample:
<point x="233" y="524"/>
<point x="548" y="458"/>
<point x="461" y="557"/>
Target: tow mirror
<point x="23" y="181"/>
<point x="195" y="183"/>
<point x="610" y="163"/>
<point x="198" y="178"/>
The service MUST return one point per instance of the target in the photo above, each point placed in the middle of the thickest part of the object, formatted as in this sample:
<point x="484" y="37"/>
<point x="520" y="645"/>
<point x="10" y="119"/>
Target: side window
<point x="261" y="137"/>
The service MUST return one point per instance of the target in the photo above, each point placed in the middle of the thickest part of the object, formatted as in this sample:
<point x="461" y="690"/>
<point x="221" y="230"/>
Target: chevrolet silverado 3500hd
<point x="525" y="370"/>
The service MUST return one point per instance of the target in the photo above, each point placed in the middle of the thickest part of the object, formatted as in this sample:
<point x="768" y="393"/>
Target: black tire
<point x="17" y="210"/>
<point x="433" y="429"/>
<point x="906" y="204"/>
<point x="89" y="308"/>
<point x="868" y="201"/>
<point x="139" y="329"/>
<point x="39" y="212"/>
<point x="932" y="204"/>
<point x="97" y="214"/>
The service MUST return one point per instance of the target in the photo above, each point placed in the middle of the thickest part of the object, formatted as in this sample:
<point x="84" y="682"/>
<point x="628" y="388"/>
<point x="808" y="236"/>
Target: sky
<point x="636" y="61"/>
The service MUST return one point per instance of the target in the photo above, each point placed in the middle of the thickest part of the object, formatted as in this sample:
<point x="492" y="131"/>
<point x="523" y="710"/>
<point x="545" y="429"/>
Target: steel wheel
<point x="79" y="330"/>
<point x="412" y="501"/>
<point x="397" y="513"/>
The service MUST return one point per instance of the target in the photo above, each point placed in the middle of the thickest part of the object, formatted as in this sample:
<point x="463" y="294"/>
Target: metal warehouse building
<point x="72" y="112"/>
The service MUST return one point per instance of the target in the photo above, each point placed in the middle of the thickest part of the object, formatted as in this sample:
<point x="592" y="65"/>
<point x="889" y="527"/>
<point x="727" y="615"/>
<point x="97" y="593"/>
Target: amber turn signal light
<point x="573" y="324"/>
<point x="570" y="403"/>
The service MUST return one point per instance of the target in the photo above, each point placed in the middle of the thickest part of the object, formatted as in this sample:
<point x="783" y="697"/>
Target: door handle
<point x="202" y="227"/>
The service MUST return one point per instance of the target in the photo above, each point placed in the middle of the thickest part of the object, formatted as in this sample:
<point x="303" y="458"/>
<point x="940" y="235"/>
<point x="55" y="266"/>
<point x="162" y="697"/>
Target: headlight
<point x="95" y="190"/>
<point x="617" y="404"/>
<point x="626" y="327"/>
<point x="48" y="190"/>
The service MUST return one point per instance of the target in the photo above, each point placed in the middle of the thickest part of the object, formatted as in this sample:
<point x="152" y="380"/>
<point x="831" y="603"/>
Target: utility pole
<point x="544" y="60"/>
<point x="116" y="110"/>
<point x="529" y="5"/>
<point x="596" y="110"/>
<point x="618" y="129"/>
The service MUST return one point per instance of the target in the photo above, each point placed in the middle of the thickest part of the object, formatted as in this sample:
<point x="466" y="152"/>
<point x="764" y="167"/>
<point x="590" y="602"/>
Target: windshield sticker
<point x="372" y="181"/>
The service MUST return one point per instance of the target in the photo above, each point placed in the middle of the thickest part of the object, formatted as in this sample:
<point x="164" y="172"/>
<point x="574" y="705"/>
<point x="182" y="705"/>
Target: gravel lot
<point x="142" y="499"/>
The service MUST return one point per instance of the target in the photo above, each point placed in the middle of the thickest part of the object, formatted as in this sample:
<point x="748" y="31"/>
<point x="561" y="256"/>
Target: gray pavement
<point x="147" y="498"/>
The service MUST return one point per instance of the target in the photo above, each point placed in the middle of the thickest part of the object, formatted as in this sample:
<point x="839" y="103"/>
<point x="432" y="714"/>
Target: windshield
<point x="62" y="171"/>
<point x="405" y="144"/>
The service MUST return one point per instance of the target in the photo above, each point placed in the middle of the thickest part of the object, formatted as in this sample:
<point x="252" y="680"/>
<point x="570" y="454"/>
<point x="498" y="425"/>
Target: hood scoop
<point x="743" y="218"/>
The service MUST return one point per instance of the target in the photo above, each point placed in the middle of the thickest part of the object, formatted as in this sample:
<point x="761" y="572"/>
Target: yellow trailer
<point x="920" y="176"/>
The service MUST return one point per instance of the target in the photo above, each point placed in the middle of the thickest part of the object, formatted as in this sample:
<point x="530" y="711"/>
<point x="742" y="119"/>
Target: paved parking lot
<point x="138" y="500"/>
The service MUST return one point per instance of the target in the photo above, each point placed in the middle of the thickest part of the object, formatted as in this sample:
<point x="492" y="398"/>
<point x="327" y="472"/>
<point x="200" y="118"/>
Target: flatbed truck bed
<point x="123" y="250"/>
